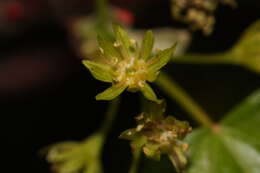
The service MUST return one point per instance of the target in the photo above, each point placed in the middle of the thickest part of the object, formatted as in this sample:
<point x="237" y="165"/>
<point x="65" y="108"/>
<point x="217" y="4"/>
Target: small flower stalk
<point x="127" y="66"/>
<point x="156" y="134"/>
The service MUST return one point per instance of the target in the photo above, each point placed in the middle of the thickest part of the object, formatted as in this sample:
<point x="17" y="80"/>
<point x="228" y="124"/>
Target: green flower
<point x="156" y="134"/>
<point x="128" y="66"/>
<point x="76" y="157"/>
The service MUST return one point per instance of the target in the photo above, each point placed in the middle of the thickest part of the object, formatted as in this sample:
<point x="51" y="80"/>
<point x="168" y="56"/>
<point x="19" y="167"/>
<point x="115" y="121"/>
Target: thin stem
<point x="135" y="161"/>
<point x="179" y="95"/>
<point x="110" y="116"/>
<point x="219" y="58"/>
<point x="102" y="11"/>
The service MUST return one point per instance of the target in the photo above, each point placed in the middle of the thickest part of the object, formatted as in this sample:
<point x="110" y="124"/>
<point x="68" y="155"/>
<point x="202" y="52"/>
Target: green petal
<point x="109" y="49"/>
<point x="149" y="93"/>
<point x="111" y="92"/>
<point x="160" y="60"/>
<point x="100" y="71"/>
<point x="152" y="151"/>
<point x="178" y="159"/>
<point x="123" y="40"/>
<point x="147" y="45"/>
<point x="138" y="142"/>
<point x="129" y="134"/>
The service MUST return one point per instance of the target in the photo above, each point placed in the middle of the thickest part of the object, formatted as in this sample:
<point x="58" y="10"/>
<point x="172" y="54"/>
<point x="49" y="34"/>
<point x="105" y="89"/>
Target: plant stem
<point x="135" y="161"/>
<point x="102" y="11"/>
<point x="219" y="58"/>
<point x="110" y="116"/>
<point x="179" y="95"/>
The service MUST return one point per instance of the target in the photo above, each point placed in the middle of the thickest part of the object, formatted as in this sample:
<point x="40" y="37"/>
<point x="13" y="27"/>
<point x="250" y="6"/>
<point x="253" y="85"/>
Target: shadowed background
<point x="47" y="95"/>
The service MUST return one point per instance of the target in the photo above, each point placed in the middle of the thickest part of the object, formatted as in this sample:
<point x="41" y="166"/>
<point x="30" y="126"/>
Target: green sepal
<point x="65" y="151"/>
<point x="178" y="159"/>
<point x="160" y="60"/>
<point x="155" y="111"/>
<point x="123" y="40"/>
<point x="95" y="167"/>
<point x="147" y="45"/>
<point x="129" y="134"/>
<point x="149" y="93"/>
<point x="152" y="76"/>
<point x="138" y="143"/>
<point x="112" y="92"/>
<point x="71" y="165"/>
<point x="100" y="71"/>
<point x="152" y="151"/>
<point x="108" y="47"/>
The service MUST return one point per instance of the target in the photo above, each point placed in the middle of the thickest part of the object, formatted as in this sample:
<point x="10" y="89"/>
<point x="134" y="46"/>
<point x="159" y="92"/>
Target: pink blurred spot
<point x="124" y="16"/>
<point x="14" y="11"/>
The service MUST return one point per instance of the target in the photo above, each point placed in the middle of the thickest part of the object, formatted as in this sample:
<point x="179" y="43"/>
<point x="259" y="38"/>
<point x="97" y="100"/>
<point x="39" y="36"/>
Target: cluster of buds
<point x="198" y="13"/>
<point x="76" y="157"/>
<point x="128" y="66"/>
<point x="156" y="134"/>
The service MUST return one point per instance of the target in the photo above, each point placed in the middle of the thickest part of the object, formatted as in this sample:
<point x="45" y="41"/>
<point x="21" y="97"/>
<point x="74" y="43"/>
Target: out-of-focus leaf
<point x="247" y="51"/>
<point x="111" y="92"/>
<point x="234" y="146"/>
<point x="100" y="71"/>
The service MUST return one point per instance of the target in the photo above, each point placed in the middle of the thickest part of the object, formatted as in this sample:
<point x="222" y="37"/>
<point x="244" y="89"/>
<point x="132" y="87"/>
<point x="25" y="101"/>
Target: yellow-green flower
<point x="128" y="66"/>
<point x="76" y="157"/>
<point x="156" y="134"/>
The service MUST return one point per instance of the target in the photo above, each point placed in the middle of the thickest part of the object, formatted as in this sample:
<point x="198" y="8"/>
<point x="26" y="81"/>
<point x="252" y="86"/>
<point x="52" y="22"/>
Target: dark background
<point x="47" y="95"/>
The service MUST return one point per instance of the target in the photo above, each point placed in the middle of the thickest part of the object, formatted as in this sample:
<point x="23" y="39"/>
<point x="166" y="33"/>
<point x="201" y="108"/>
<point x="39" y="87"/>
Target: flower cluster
<point x="76" y="157"/>
<point x="128" y="66"/>
<point x="198" y="13"/>
<point x="156" y="134"/>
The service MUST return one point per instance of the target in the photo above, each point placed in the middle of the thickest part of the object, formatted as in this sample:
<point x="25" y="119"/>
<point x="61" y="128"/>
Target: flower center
<point x="132" y="72"/>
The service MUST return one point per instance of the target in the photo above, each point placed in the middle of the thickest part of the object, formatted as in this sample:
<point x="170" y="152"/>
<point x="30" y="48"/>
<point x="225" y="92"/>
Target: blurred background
<point x="47" y="95"/>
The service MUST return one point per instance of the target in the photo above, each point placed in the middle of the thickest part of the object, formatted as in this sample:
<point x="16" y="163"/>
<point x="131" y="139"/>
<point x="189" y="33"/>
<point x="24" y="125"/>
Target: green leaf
<point x="99" y="71"/>
<point x="123" y="40"/>
<point x="247" y="50"/>
<point x="233" y="147"/>
<point x="147" y="45"/>
<point x="112" y="92"/>
<point x="149" y="93"/>
<point x="160" y="60"/>
<point x="108" y="47"/>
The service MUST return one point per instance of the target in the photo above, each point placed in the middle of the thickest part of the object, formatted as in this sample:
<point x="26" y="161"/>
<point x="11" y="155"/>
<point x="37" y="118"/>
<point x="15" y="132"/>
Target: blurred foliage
<point x="233" y="146"/>
<point x="76" y="157"/>
<point x="244" y="53"/>
<point x="198" y="13"/>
